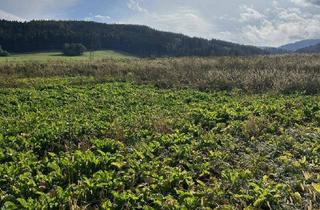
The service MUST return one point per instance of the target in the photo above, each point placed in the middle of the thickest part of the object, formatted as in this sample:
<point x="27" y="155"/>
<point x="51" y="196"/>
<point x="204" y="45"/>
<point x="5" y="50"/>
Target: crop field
<point x="144" y="134"/>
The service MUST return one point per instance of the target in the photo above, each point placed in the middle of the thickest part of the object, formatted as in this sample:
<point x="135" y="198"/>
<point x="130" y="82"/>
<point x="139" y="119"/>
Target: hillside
<point x="300" y="44"/>
<point x="18" y="37"/>
<point x="311" y="49"/>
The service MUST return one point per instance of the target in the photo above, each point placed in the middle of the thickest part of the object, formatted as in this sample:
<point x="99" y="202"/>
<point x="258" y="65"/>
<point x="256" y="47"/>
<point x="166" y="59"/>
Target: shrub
<point x="3" y="53"/>
<point x="73" y="49"/>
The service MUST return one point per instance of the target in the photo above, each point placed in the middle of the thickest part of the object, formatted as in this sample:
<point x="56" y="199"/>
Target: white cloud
<point x="282" y="25"/>
<point x="8" y="16"/>
<point x="99" y="18"/>
<point x="254" y="22"/>
<point x="136" y="5"/>
<point x="36" y="9"/>
<point x="183" y="20"/>
<point x="306" y="3"/>
<point x="270" y="24"/>
<point x="250" y="14"/>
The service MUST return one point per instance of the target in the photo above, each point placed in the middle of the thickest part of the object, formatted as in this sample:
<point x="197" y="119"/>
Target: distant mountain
<point x="311" y="49"/>
<point x="300" y="45"/>
<point x="134" y="39"/>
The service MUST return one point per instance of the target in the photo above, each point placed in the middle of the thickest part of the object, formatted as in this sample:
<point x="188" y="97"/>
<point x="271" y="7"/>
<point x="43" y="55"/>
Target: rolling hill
<point x="311" y="49"/>
<point x="296" y="46"/>
<point x="35" y="36"/>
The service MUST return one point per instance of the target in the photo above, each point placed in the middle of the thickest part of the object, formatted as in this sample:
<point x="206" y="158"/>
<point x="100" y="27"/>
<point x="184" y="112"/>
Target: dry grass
<point x="285" y="74"/>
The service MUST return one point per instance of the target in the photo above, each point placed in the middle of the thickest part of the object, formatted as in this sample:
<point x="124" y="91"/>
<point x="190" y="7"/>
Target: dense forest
<point x="18" y="37"/>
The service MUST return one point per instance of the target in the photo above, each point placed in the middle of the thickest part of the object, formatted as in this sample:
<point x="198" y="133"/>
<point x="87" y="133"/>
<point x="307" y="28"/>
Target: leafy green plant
<point x="117" y="145"/>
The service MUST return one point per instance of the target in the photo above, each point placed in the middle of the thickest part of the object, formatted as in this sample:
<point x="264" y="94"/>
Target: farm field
<point x="58" y="56"/>
<point x="136" y="134"/>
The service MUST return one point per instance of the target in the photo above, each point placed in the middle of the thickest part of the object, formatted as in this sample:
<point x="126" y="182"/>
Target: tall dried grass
<point x="285" y="73"/>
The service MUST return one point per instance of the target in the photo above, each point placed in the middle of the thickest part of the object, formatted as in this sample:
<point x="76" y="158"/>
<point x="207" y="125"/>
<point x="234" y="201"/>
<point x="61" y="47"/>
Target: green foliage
<point x="35" y="36"/>
<point x="71" y="145"/>
<point x="73" y="49"/>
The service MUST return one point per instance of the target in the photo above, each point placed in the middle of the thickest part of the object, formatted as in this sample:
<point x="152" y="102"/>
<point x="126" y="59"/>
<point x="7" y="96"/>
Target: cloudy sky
<point x="256" y="22"/>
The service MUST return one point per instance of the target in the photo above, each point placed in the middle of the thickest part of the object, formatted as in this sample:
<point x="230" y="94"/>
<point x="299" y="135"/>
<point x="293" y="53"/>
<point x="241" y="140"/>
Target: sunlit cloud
<point x="266" y="23"/>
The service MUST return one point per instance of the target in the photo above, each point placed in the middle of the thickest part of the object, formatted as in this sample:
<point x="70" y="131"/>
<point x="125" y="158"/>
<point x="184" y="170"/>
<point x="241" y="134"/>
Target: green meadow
<point x="58" y="56"/>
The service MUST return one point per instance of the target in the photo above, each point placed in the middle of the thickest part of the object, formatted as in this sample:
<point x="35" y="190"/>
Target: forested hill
<point x="310" y="49"/>
<point x="17" y="37"/>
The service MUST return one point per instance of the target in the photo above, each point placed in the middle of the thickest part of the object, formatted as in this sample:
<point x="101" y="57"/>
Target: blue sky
<point x="256" y="22"/>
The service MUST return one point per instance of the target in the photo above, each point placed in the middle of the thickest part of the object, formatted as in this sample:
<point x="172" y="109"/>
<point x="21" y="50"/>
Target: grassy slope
<point x="124" y="146"/>
<point x="57" y="56"/>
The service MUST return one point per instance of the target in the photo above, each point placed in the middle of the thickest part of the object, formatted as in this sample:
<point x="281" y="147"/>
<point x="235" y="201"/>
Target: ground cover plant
<point x="65" y="144"/>
<point x="183" y="133"/>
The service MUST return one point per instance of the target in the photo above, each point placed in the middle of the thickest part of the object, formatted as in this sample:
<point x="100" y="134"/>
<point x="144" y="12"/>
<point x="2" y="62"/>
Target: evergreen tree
<point x="137" y="40"/>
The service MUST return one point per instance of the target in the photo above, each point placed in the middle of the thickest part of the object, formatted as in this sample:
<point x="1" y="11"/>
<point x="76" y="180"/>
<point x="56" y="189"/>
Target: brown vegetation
<point x="285" y="74"/>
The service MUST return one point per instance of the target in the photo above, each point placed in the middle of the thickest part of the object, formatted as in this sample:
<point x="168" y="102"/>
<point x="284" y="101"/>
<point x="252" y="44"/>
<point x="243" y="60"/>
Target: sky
<point x="253" y="22"/>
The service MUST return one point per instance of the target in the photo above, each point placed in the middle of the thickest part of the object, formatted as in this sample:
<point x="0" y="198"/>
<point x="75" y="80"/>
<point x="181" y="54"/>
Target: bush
<point x="73" y="49"/>
<point x="3" y="53"/>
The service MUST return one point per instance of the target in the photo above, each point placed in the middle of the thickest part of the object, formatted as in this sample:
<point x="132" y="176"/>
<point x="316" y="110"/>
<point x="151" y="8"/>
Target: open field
<point x="184" y="133"/>
<point x="57" y="56"/>
<point x="279" y="74"/>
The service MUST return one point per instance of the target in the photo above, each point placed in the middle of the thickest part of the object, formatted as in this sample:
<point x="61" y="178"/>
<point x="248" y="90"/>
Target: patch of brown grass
<point x="285" y="73"/>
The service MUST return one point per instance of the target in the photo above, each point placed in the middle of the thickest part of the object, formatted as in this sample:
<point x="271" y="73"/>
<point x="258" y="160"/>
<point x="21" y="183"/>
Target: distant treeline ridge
<point x="19" y="37"/>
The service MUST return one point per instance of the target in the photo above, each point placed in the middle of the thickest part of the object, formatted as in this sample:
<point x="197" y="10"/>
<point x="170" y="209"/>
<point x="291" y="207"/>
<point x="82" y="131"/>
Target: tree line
<point x="18" y="37"/>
